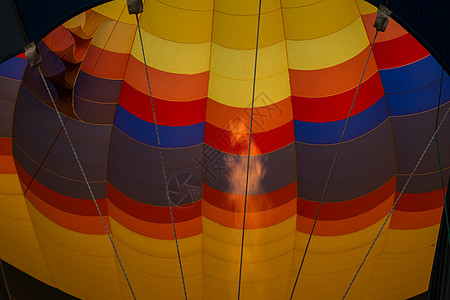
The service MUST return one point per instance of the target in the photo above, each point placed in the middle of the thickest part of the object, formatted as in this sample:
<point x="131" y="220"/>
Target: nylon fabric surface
<point x="200" y="59"/>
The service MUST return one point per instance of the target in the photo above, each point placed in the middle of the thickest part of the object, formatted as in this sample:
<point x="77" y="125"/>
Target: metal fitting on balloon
<point x="135" y="6"/>
<point x="32" y="54"/>
<point x="382" y="19"/>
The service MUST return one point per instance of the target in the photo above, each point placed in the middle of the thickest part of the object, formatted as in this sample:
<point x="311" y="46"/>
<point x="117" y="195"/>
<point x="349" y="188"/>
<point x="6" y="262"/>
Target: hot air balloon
<point x="225" y="150"/>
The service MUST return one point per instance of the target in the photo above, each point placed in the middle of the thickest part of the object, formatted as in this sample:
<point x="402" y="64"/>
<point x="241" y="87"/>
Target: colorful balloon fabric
<point x="200" y="59"/>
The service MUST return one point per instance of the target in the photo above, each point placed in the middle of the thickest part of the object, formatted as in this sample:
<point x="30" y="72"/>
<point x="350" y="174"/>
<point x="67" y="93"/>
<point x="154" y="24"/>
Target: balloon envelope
<point x="200" y="58"/>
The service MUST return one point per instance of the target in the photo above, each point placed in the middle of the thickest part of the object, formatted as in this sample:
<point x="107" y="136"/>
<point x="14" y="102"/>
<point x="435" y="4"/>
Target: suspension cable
<point x="85" y="179"/>
<point x="248" y="156"/>
<point x="396" y="201"/>
<point x="322" y="198"/>
<point x="67" y="117"/>
<point x="162" y="161"/>
<point x="6" y="282"/>
<point x="439" y="158"/>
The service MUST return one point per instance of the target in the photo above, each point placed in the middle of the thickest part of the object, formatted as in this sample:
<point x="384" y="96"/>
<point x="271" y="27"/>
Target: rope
<point x="85" y="179"/>
<point x="439" y="158"/>
<point x="6" y="282"/>
<point x="45" y="157"/>
<point x="248" y="156"/>
<point x="162" y="161"/>
<point x="396" y="201"/>
<point x="101" y="52"/>
<point x="67" y="118"/>
<point x="332" y="168"/>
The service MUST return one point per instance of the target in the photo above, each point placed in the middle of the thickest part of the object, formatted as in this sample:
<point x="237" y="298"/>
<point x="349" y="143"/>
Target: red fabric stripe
<point x="255" y="203"/>
<point x="84" y="207"/>
<point x="346" y="209"/>
<point x="5" y="146"/>
<point x="337" y="107"/>
<point x="268" y="141"/>
<point x="398" y="52"/>
<point x="150" y="213"/>
<point x="420" y="201"/>
<point x="169" y="113"/>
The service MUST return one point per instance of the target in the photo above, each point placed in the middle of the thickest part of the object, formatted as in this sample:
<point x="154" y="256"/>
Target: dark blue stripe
<point x="362" y="166"/>
<point x="135" y="169"/>
<point x="418" y="100"/>
<point x="171" y="137"/>
<point x="13" y="68"/>
<point x="97" y="89"/>
<point x="411" y="77"/>
<point x="330" y="132"/>
<point x="280" y="170"/>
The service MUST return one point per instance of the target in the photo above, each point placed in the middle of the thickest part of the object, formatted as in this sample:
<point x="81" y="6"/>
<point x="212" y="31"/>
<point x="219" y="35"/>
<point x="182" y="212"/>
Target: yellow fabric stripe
<point x="152" y="264"/>
<point x="249" y="7"/>
<point x="175" y="24"/>
<point x="82" y="284"/>
<point x="238" y="93"/>
<point x="267" y="260"/>
<point x="298" y="3"/>
<point x="78" y="20"/>
<point x="10" y="185"/>
<point x="81" y="264"/>
<point x="190" y="5"/>
<point x="405" y="265"/>
<point x="366" y="8"/>
<point x="172" y="56"/>
<point x="115" y="37"/>
<point x="319" y="19"/>
<point x="19" y="245"/>
<point x="333" y="260"/>
<point x="113" y="10"/>
<point x="329" y="50"/>
<point x="240" y="64"/>
<point x="239" y="32"/>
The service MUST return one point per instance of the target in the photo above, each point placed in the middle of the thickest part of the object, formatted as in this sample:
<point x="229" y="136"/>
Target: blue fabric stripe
<point x="13" y="68"/>
<point x="330" y="132"/>
<point x="145" y="132"/>
<point x="419" y="100"/>
<point x="411" y="77"/>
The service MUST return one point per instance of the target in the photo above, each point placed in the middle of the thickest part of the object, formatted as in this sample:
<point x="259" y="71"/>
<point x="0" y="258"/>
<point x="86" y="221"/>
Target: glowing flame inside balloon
<point x="237" y="165"/>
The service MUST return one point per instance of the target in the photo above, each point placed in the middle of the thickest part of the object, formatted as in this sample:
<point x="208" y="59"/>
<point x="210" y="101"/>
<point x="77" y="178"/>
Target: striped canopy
<point x="200" y="58"/>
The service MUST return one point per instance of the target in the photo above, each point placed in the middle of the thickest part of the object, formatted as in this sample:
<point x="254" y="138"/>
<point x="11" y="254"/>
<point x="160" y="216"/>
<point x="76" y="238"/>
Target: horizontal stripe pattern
<point x="200" y="59"/>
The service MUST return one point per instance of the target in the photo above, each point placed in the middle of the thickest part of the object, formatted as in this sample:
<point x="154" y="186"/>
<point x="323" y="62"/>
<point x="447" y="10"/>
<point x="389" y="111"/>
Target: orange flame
<point x="239" y="141"/>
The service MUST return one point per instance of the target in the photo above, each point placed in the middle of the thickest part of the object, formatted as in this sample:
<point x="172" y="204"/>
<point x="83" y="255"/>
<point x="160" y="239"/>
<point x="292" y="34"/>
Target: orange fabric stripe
<point x="105" y="64"/>
<point x="165" y="85"/>
<point x="67" y="46"/>
<point x="346" y="226"/>
<point x="415" y="220"/>
<point x="265" y="118"/>
<point x="7" y="164"/>
<point x="255" y="203"/>
<point x="338" y="79"/>
<point x="162" y="231"/>
<point x="254" y="220"/>
<point x="82" y="224"/>
<point x="393" y="31"/>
